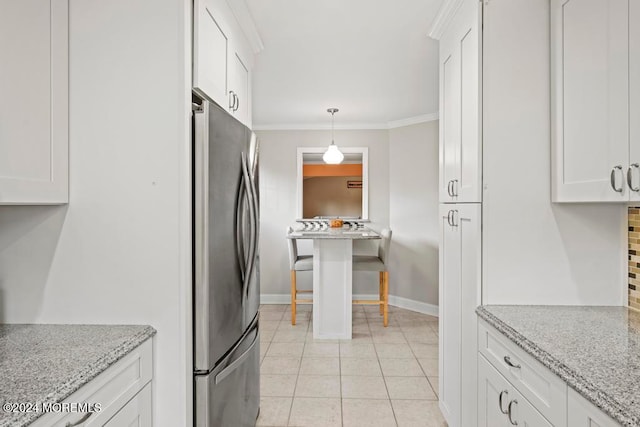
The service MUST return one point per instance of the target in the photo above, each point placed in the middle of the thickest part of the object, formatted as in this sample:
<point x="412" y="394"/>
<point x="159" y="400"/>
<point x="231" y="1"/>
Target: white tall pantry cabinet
<point x="460" y="210"/>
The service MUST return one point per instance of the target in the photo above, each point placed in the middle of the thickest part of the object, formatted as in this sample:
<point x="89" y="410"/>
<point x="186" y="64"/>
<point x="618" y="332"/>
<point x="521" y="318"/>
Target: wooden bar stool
<point x="297" y="263"/>
<point x="377" y="263"/>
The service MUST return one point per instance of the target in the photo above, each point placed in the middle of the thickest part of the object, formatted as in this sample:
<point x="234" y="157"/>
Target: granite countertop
<point x="595" y="350"/>
<point x="335" y="233"/>
<point x="47" y="363"/>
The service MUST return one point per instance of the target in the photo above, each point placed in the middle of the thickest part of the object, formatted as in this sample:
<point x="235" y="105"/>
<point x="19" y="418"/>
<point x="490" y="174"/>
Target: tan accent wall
<point x="634" y="257"/>
<point x="329" y="196"/>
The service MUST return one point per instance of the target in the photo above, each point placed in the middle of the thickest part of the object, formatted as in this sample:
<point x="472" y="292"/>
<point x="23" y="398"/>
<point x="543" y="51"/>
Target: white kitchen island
<point x="332" y="284"/>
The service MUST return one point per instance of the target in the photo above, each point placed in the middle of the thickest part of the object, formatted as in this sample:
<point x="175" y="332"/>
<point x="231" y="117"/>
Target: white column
<point x="332" y="288"/>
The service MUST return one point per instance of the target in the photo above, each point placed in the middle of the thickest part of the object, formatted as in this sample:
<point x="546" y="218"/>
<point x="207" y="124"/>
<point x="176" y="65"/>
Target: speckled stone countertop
<point x="595" y="350"/>
<point x="335" y="233"/>
<point x="46" y="363"/>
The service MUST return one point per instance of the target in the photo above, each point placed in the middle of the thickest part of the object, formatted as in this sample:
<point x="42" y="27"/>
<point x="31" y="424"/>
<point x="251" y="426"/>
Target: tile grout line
<point x="304" y="343"/>
<point x="384" y="379"/>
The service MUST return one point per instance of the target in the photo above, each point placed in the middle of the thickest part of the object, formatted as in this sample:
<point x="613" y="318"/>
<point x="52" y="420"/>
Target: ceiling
<point x="371" y="59"/>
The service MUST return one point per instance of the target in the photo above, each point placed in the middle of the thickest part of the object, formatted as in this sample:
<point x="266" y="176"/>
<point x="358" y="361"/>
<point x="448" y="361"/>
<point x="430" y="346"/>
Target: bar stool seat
<point x="368" y="263"/>
<point x="297" y="263"/>
<point x="379" y="264"/>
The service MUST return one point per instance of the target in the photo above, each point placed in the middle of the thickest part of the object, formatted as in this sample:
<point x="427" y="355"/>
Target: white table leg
<point x="332" y="288"/>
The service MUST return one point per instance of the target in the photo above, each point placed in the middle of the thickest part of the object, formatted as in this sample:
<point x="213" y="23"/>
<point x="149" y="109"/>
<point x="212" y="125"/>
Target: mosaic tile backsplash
<point x="634" y="257"/>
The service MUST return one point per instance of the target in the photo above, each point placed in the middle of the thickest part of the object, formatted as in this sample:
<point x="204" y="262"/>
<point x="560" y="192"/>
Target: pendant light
<point x="332" y="156"/>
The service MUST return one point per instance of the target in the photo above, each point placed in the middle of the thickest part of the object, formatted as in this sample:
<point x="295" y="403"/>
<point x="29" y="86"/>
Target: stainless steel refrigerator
<point x="226" y="269"/>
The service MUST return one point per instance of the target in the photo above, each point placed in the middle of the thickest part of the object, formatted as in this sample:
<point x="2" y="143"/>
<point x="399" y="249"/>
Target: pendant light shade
<point x="333" y="155"/>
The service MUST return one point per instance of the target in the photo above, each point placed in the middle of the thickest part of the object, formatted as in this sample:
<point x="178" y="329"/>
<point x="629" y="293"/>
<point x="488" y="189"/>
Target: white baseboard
<point x="413" y="305"/>
<point x="396" y="301"/>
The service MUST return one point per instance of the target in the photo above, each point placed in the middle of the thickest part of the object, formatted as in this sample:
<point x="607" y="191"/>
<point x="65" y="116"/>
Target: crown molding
<point x="247" y="24"/>
<point x="423" y="118"/>
<point x="321" y="126"/>
<point x="443" y="18"/>
<point x="350" y="126"/>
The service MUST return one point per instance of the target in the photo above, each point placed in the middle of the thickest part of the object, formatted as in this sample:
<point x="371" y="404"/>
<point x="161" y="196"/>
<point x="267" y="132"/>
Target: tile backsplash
<point x="634" y="257"/>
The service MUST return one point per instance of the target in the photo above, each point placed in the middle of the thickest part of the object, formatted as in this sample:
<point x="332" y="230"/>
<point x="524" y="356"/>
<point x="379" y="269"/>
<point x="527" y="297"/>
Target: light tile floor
<point x="382" y="377"/>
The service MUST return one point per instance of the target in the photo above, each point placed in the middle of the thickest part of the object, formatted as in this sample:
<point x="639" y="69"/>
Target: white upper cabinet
<point x="590" y="101"/>
<point x="210" y="51"/>
<point x="239" y="91"/>
<point x="222" y="59"/>
<point x="34" y="102"/>
<point x="460" y="142"/>
<point x="634" y="100"/>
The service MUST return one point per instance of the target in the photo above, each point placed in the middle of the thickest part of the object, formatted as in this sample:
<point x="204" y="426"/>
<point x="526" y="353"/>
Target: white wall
<point x="116" y="253"/>
<point x="413" y="197"/>
<point x="535" y="252"/>
<point x="278" y="176"/>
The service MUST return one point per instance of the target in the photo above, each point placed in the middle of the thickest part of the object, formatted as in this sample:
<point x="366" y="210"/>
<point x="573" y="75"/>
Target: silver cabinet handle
<point x="508" y="361"/>
<point x="502" y="393"/>
<point x="232" y="100"/>
<point x="454" y="188"/>
<point x="613" y="178"/>
<point x="237" y="102"/>
<point x="449" y="218"/>
<point x="453" y="218"/>
<point x="449" y="189"/>
<point x="510" y="412"/>
<point x="80" y="421"/>
<point x="630" y="176"/>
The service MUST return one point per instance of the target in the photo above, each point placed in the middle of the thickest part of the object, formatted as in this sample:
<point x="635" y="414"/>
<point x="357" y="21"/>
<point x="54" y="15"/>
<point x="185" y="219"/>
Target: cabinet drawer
<point x="112" y="389"/>
<point x="545" y="390"/>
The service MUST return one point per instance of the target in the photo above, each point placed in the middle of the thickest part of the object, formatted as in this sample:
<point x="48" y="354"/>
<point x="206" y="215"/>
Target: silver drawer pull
<point x="508" y="361"/>
<point x="630" y="177"/>
<point x="80" y="421"/>
<point x="502" y="393"/>
<point x="613" y="179"/>
<point x="510" y="413"/>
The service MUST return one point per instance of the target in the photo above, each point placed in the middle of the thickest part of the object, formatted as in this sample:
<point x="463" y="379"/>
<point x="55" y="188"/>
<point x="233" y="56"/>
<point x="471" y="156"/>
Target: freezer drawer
<point x="230" y="394"/>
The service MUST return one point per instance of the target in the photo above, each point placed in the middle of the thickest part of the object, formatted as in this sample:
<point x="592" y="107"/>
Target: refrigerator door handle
<point x="256" y="230"/>
<point x="252" y="221"/>
<point x="236" y="363"/>
<point x="240" y="254"/>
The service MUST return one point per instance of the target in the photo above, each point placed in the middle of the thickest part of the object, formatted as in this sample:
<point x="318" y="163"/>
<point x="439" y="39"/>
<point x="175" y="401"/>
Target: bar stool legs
<point x="293" y="297"/>
<point x="385" y="298"/>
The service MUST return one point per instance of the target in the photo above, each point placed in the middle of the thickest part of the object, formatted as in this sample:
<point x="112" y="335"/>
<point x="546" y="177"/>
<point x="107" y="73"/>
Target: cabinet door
<point x="34" y="101"/>
<point x="500" y="404"/>
<point x="459" y="296"/>
<point x="239" y="85"/>
<point x="590" y="108"/>
<point x="584" y="414"/>
<point x="210" y="51"/>
<point x="460" y="142"/>
<point x="491" y="388"/>
<point x="634" y="100"/>
<point x="136" y="413"/>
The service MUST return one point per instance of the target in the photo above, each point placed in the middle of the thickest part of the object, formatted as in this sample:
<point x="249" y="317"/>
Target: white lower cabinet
<point x="136" y="413"/>
<point x="460" y="262"/>
<point x="500" y="404"/>
<point x="123" y="392"/>
<point x="582" y="413"/>
<point x="513" y="388"/>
